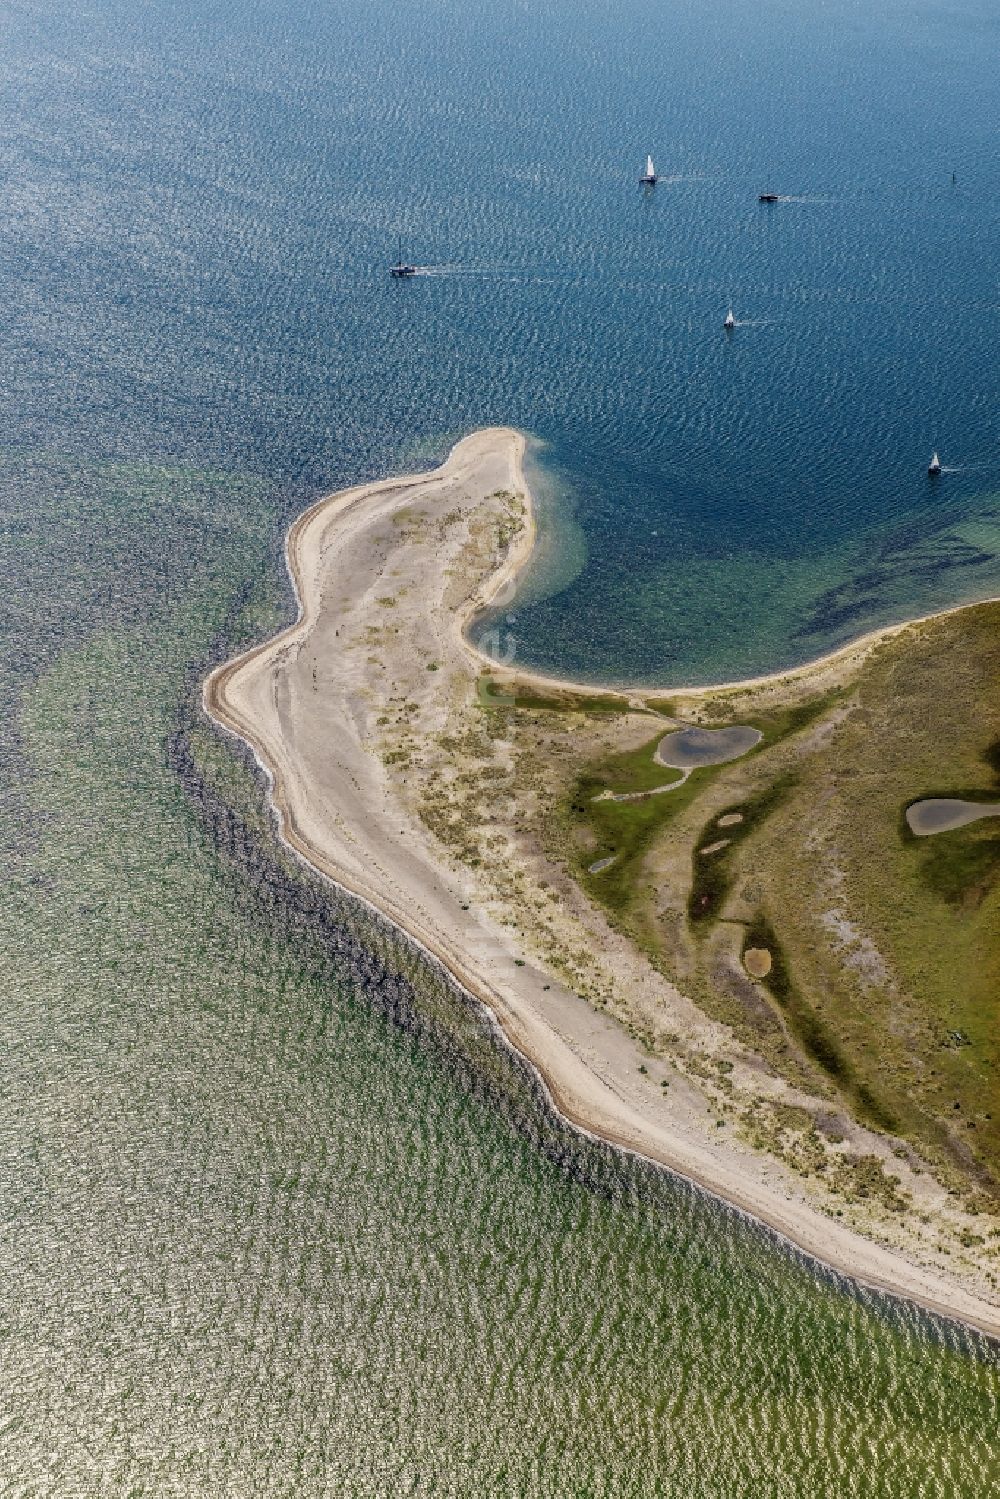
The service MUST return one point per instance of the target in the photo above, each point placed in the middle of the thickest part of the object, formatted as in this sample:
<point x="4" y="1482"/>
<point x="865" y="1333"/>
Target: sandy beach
<point x="389" y="576"/>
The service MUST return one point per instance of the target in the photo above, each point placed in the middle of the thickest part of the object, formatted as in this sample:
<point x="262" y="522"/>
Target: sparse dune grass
<point x="712" y="874"/>
<point x="492" y="693"/>
<point x="775" y="722"/>
<point x="599" y="826"/>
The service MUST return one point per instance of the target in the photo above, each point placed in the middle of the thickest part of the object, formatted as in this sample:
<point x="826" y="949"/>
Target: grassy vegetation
<point x="810" y="1030"/>
<point x="896" y="939"/>
<point x="665" y="706"/>
<point x="626" y="829"/>
<point x="629" y="829"/>
<point x="781" y="723"/>
<point x="884" y="947"/>
<point x="962" y="866"/>
<point x="712" y="874"/>
<point x="792" y="1135"/>
<point x="775" y="723"/>
<point x="492" y="694"/>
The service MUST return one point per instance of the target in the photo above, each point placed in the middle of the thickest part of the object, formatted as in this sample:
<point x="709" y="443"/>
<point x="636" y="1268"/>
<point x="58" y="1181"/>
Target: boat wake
<point x="512" y="271"/>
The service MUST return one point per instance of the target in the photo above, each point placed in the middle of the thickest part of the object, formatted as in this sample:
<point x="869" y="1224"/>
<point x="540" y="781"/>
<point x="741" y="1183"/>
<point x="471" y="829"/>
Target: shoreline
<point x="855" y="649"/>
<point x="582" y="1058"/>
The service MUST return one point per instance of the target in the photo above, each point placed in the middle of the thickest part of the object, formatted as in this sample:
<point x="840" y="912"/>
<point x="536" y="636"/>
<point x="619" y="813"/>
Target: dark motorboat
<point x="401" y="269"/>
<point x="767" y="198"/>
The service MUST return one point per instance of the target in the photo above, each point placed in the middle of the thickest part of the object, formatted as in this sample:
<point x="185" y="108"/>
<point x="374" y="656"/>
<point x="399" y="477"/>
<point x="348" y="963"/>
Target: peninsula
<point x="612" y="901"/>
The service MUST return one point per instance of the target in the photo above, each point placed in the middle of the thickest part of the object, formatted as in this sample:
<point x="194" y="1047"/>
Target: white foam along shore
<point x="304" y="702"/>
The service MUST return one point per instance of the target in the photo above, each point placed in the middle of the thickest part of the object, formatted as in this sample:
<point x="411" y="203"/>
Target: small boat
<point x="730" y="322"/>
<point x="767" y="197"/>
<point x="401" y="269"/>
<point x="648" y="178"/>
<point x="934" y="467"/>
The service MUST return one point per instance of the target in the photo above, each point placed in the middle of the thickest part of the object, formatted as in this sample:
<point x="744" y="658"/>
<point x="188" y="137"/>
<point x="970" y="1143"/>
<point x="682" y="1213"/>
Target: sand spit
<point x="388" y="577"/>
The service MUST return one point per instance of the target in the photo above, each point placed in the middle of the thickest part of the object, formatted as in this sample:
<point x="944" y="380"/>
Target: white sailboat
<point x="401" y="269"/>
<point x="934" y="467"/>
<point x="648" y="178"/>
<point x="730" y="322"/>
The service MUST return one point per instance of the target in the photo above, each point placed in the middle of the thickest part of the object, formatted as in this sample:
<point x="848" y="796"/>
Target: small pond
<point x="940" y="814"/>
<point x="687" y="749"/>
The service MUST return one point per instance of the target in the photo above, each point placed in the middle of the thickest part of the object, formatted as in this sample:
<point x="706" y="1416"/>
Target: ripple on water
<point x="282" y="1218"/>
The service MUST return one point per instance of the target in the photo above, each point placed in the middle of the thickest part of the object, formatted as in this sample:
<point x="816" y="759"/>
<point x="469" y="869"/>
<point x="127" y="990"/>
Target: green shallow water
<point x="281" y="1217"/>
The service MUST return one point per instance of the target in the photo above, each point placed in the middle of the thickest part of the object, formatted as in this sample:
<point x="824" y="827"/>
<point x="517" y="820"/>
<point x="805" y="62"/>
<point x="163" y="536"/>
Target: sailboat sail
<point x="650" y="169"/>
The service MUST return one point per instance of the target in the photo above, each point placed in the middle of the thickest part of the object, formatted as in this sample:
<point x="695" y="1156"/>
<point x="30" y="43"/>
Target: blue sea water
<point x="200" y="202"/>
